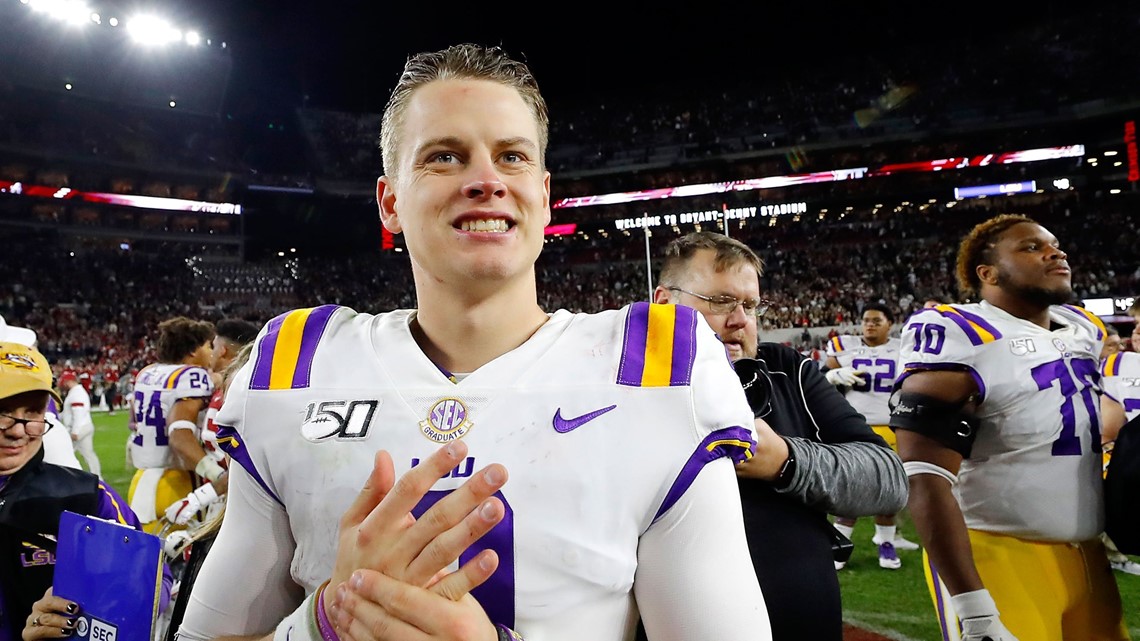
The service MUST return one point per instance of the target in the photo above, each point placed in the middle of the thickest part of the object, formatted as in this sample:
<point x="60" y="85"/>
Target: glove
<point x="979" y="616"/>
<point x="757" y="386"/>
<point x="844" y="376"/>
<point x="180" y="512"/>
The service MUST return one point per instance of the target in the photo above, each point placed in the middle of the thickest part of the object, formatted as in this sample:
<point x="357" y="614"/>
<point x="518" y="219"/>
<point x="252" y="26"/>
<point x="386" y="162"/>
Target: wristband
<point x="787" y="470"/>
<point x="507" y="634"/>
<point x="328" y="632"/>
<point x="208" y="468"/>
<point x="969" y="605"/>
<point x="182" y="425"/>
<point x="301" y="624"/>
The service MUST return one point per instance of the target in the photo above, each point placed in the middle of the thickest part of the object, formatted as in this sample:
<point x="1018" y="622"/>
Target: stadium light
<point x="114" y="22"/>
<point x="152" y="30"/>
<point x="73" y="12"/>
<point x="193" y="38"/>
<point x="172" y="104"/>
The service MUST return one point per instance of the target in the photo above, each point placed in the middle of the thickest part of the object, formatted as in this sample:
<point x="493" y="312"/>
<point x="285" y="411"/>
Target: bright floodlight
<point x="172" y="104"/>
<point x="152" y="30"/>
<point x="96" y="18"/>
<point x="193" y="39"/>
<point x="69" y="11"/>
<point x="114" y="22"/>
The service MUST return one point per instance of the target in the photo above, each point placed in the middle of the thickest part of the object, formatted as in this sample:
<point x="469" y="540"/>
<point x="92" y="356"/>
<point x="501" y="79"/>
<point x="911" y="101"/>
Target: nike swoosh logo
<point x="563" y="425"/>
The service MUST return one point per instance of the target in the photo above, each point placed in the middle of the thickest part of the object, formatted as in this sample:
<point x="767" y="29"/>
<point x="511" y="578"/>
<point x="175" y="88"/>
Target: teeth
<point x="497" y="225"/>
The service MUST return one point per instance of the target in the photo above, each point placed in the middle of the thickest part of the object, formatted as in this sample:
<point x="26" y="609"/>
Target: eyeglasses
<point x="728" y="304"/>
<point x="32" y="426"/>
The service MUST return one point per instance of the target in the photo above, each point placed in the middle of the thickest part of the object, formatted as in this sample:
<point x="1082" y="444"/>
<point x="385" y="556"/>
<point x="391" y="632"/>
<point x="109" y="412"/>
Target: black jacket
<point x="31" y="502"/>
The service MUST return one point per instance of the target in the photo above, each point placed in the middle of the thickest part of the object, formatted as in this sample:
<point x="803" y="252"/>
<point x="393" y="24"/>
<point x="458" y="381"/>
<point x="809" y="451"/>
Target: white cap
<point x="21" y="335"/>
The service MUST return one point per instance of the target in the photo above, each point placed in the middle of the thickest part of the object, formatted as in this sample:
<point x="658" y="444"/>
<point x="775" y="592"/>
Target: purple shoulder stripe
<point x="735" y="443"/>
<point x="633" y="345"/>
<point x="314" y="328"/>
<point x="263" y="365"/>
<point x="231" y="444"/>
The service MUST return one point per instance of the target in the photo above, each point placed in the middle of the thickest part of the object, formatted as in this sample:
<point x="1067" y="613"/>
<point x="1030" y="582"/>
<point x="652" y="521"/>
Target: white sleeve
<point x="244" y="586"/>
<point x="695" y="579"/>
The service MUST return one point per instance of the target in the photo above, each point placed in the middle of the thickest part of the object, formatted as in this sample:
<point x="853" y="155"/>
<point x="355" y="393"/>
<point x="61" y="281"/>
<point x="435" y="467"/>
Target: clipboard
<point x="114" y="573"/>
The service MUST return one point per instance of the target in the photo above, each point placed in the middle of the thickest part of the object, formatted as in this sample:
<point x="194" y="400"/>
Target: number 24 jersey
<point x="1035" y="469"/>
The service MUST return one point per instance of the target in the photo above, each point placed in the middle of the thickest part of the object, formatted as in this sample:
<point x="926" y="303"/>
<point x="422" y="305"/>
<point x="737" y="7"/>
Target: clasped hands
<point x="391" y="580"/>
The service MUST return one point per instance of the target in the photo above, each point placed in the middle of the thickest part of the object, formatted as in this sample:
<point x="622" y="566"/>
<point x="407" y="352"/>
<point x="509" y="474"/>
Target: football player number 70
<point x="1083" y="374"/>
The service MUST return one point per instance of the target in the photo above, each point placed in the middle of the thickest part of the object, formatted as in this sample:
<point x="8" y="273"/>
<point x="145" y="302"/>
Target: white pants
<point x="85" y="446"/>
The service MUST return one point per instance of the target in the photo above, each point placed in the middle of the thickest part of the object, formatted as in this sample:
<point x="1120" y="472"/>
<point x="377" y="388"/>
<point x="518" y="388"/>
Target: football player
<point x="864" y="368"/>
<point x="168" y="406"/>
<point x="998" y="425"/>
<point x="231" y="335"/>
<point x="76" y="415"/>
<point x="602" y="420"/>
<point x="1119" y="404"/>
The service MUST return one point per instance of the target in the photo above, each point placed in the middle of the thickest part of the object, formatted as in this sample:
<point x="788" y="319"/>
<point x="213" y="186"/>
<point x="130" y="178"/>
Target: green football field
<point x="893" y="603"/>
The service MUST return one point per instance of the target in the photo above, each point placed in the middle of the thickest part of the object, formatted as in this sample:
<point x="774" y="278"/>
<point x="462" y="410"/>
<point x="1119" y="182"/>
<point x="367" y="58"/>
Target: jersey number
<point x="928" y="338"/>
<point x="1084" y="373"/>
<point x="884" y="379"/>
<point x="149" y="414"/>
<point x="496" y="594"/>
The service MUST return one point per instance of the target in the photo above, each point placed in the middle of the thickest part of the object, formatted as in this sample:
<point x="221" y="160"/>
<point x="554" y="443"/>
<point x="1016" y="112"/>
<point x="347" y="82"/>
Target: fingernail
<point x="71" y="623"/>
<point x="343" y="620"/>
<point x="72" y="607"/>
<point x="487" y="511"/>
<point x="66" y="632"/>
<point x="341" y="594"/>
<point x="485" y="562"/>
<point x="493" y="475"/>
<point x="356" y="580"/>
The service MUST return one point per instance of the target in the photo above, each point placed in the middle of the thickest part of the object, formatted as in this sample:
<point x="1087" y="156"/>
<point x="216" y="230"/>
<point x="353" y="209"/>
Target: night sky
<point x="347" y="55"/>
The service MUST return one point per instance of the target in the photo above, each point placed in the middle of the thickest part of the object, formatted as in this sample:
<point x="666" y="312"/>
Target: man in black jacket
<point x="33" y="496"/>
<point x="815" y="454"/>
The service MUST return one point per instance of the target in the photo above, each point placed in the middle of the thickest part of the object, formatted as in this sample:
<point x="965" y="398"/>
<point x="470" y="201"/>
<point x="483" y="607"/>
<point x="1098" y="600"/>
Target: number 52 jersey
<point x="1035" y="469"/>
<point x="603" y="422"/>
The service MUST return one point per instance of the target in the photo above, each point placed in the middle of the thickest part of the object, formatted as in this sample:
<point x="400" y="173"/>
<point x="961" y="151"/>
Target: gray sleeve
<point x="848" y="479"/>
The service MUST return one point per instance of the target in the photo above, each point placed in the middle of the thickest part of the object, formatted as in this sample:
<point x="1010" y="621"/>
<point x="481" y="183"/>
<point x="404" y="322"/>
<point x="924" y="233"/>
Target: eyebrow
<point x="455" y="142"/>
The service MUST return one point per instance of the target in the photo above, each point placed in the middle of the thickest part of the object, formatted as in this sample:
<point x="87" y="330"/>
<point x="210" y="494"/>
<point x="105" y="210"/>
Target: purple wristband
<point x="328" y="632"/>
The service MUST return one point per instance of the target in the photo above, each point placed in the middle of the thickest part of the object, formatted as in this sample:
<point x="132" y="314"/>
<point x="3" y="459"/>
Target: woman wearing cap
<point x="33" y="495"/>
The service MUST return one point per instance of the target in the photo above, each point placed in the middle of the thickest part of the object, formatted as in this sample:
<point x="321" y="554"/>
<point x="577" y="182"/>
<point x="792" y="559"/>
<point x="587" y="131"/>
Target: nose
<point x="737" y="317"/>
<point x="1057" y="254"/>
<point x="485" y="183"/>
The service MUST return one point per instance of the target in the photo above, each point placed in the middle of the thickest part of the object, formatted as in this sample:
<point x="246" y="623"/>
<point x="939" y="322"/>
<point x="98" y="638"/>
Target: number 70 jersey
<point x="157" y="388"/>
<point x="1035" y="468"/>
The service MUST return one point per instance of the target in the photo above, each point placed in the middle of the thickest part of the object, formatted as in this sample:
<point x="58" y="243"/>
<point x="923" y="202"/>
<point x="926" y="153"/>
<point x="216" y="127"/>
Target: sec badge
<point x="447" y="421"/>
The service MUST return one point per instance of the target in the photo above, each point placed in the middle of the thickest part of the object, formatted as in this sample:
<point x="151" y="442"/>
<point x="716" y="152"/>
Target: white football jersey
<point x="1121" y="381"/>
<point x="878" y="365"/>
<point x="594" y="418"/>
<point x="157" y="388"/>
<point x="1035" y="468"/>
<point x="76" y="414"/>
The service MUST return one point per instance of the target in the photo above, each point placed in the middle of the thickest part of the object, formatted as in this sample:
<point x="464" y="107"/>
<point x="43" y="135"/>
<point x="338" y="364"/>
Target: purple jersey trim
<point x="52" y="408"/>
<point x="263" y="366"/>
<point x="911" y="368"/>
<point x="490" y="594"/>
<point x="684" y="346"/>
<point x="1086" y="314"/>
<point x="980" y="322"/>
<point x="736" y="443"/>
<point x="315" y="325"/>
<point x="231" y="444"/>
<point x="112" y="507"/>
<point x="971" y="333"/>
<point x="1112" y="365"/>
<point x="631" y="369"/>
<point x="633" y="345"/>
